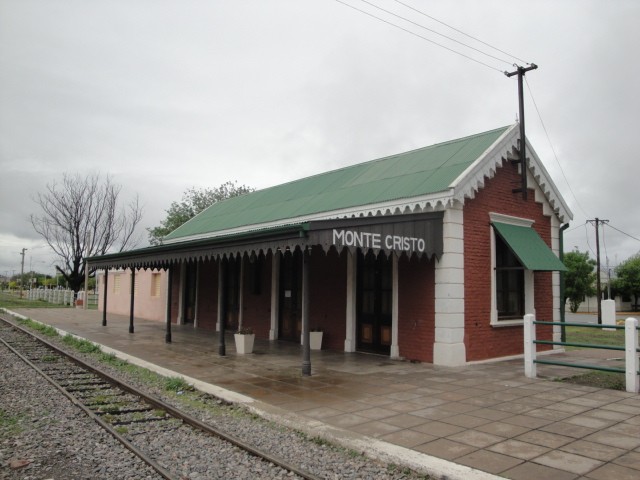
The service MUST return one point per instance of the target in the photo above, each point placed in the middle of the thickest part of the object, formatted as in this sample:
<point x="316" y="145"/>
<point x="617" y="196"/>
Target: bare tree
<point x="81" y="217"/>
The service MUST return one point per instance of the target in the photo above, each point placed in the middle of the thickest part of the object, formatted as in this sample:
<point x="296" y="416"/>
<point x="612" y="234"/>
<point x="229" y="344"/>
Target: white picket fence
<point x="59" y="297"/>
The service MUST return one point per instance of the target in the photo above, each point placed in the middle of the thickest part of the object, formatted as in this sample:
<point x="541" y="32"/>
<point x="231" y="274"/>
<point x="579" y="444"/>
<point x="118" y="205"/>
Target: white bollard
<point x="529" y="346"/>
<point x="608" y="314"/>
<point x="632" y="364"/>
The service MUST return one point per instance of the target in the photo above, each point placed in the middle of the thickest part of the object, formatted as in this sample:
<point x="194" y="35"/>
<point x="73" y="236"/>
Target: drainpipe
<point x="563" y="335"/>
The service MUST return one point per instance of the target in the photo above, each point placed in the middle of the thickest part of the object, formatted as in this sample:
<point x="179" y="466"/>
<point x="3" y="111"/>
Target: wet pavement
<point x="463" y="422"/>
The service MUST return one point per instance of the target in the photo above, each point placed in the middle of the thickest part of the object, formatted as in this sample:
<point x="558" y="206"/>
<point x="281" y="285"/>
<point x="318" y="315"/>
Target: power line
<point x="437" y="33"/>
<point x="459" y="31"/>
<point x="420" y="36"/>
<point x="624" y="233"/>
<point x="555" y="155"/>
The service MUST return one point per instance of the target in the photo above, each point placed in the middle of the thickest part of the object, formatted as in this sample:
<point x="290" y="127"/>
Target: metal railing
<point x="632" y="362"/>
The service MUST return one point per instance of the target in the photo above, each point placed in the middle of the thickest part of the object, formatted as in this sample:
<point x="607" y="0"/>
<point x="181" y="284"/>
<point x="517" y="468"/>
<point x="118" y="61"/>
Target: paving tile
<point x="490" y="414"/>
<point x="608" y="415"/>
<point x="438" y="429"/>
<point x="404" y="407"/>
<point x="625" y="429"/>
<point x="527" y="421"/>
<point x="486" y="461"/>
<point x="405" y="420"/>
<point x="503" y="429"/>
<point x="532" y="471"/>
<point x="433" y="413"/>
<point x="568" y="461"/>
<point x="587" y="402"/>
<point x="518" y="449"/>
<point x="614" y="439"/>
<point x="407" y="438"/>
<point x="321" y="413"/>
<point x="568" y="429"/>
<point x="375" y="428"/>
<point x="629" y="460"/>
<point x="377" y="413"/>
<point x="584" y="420"/>
<point x="549" y="414"/>
<point x="620" y="407"/>
<point x="611" y="471"/>
<point x="346" y="420"/>
<point x="475" y="438"/>
<point x="466" y="421"/>
<point x="544" y="439"/>
<point x="458" y="407"/>
<point x="592" y="450"/>
<point x="514" y="407"/>
<point x="446" y="449"/>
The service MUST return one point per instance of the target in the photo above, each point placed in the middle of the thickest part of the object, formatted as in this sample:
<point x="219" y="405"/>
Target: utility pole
<point x="520" y="71"/>
<point x="22" y="270"/>
<point x="597" y="222"/>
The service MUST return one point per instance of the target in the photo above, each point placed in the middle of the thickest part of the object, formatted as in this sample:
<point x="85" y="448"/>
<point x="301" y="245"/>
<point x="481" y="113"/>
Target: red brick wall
<point x="257" y="302"/>
<point x="208" y="295"/>
<point x="482" y="340"/>
<point x="416" y="308"/>
<point x="328" y="300"/>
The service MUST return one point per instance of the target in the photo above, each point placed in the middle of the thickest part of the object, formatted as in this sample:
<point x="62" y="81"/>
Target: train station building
<point x="433" y="255"/>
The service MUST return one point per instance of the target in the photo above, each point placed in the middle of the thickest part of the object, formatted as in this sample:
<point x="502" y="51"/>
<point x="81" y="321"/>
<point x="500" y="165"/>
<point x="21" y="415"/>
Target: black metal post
<point x="167" y="337"/>
<point x="306" y="348"/>
<point x="104" y="303"/>
<point x="133" y="288"/>
<point x="222" y="349"/>
<point x="563" y="333"/>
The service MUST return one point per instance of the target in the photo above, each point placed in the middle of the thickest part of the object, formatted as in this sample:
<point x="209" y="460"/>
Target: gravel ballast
<point x="60" y="442"/>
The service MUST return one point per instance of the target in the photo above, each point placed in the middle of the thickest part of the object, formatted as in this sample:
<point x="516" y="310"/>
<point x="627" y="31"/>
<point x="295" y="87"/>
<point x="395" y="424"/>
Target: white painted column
<point x="275" y="295"/>
<point x="631" y="355"/>
<point x="220" y="292"/>
<point x="530" y="370"/>
<point x="395" y="349"/>
<point x="449" y="348"/>
<point x="350" y="314"/>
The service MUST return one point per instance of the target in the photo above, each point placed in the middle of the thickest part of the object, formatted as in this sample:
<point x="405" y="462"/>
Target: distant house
<point x="432" y="255"/>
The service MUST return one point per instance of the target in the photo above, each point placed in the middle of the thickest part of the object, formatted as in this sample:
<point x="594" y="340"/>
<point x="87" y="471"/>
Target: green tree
<point x="628" y="273"/>
<point x="579" y="278"/>
<point x="193" y="202"/>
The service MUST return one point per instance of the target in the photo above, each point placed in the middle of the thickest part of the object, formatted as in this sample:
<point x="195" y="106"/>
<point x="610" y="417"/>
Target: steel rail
<point x="173" y="411"/>
<point x="75" y="401"/>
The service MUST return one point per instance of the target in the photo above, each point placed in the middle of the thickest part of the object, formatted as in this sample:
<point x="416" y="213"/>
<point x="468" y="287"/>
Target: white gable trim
<point x="473" y="178"/>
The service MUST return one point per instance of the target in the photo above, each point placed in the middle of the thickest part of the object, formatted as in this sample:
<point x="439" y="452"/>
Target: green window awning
<point x="529" y="248"/>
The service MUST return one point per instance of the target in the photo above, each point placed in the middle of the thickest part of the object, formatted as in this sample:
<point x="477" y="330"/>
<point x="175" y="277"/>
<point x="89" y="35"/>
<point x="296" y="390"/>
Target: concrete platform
<point x="468" y="422"/>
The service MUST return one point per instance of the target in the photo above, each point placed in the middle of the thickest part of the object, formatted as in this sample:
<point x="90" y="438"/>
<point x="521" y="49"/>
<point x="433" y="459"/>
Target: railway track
<point x="145" y="425"/>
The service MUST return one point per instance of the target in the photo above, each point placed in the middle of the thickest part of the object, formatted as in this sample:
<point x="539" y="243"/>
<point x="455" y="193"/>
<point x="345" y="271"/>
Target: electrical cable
<point x="586" y="233"/>
<point x="420" y="36"/>
<point x="460" y="31"/>
<point x="575" y="228"/>
<point x="555" y="155"/>
<point x="624" y="233"/>
<point x="437" y="33"/>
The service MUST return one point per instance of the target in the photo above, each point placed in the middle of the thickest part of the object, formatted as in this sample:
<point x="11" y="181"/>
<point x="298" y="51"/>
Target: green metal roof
<point x="528" y="246"/>
<point x="419" y="172"/>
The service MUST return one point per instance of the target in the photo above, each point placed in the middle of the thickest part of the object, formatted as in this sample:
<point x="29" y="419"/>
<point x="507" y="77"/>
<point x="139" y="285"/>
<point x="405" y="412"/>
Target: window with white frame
<point x="512" y="292"/>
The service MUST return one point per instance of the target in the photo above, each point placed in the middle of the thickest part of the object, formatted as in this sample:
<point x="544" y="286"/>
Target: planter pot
<point x="244" y="343"/>
<point x="315" y="340"/>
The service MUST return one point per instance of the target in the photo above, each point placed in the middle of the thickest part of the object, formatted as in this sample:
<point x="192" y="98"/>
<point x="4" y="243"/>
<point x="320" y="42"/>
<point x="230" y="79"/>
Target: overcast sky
<point x="168" y="95"/>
